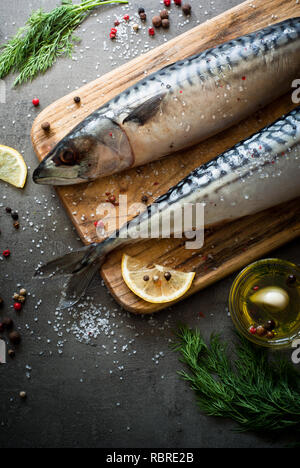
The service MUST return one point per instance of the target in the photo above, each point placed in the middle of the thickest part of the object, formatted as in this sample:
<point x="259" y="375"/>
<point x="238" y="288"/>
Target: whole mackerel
<point x="178" y="106"/>
<point x="254" y="175"/>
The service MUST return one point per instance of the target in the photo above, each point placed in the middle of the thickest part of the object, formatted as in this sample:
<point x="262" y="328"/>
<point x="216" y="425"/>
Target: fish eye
<point x="68" y="157"/>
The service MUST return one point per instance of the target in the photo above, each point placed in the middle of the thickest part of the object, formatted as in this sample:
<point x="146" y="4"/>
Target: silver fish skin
<point x="256" y="174"/>
<point x="178" y="106"/>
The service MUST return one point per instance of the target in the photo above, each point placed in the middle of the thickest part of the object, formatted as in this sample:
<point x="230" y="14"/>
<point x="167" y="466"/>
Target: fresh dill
<point x="258" y="393"/>
<point x="44" y="38"/>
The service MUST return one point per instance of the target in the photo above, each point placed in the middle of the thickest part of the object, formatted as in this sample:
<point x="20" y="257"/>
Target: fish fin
<point x="70" y="263"/>
<point x="80" y="267"/>
<point x="145" y="111"/>
<point x="58" y="267"/>
<point x="76" y="285"/>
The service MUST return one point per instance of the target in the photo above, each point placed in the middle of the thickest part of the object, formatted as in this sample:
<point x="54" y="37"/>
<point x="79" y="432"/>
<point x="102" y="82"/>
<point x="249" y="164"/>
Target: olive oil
<point x="265" y="302"/>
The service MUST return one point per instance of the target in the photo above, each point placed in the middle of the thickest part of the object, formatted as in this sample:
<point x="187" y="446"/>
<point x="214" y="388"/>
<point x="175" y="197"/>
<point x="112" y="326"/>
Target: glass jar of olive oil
<point x="264" y="302"/>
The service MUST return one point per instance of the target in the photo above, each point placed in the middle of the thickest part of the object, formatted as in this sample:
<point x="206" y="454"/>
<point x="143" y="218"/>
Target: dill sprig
<point x="44" y="38"/>
<point x="258" y="393"/>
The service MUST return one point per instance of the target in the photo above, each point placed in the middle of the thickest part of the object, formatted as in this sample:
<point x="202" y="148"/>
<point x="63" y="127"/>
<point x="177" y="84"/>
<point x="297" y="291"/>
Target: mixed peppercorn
<point x="155" y="278"/>
<point x="7" y="323"/>
<point x="160" y="20"/>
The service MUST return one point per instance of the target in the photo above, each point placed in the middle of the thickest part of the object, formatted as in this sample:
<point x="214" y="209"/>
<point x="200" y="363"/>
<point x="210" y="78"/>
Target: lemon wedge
<point x="157" y="284"/>
<point x="13" y="169"/>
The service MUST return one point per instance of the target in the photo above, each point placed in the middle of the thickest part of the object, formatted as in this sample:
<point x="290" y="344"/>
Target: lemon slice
<point x="12" y="167"/>
<point x="157" y="284"/>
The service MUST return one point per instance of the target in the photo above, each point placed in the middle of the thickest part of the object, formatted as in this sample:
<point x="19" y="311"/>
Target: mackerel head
<point x="75" y="158"/>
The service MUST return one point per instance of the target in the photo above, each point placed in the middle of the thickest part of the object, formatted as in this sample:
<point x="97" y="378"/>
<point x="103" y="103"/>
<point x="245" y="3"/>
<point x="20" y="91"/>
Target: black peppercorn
<point x="186" y="8"/>
<point x="8" y="210"/>
<point x="167" y="275"/>
<point x="141" y="10"/>
<point x="156" y="21"/>
<point x="15" y="216"/>
<point x="291" y="279"/>
<point x="77" y="99"/>
<point x="8" y="322"/>
<point x="11" y="353"/>
<point x="1" y="302"/>
<point x="146" y="278"/>
<point x="144" y="199"/>
<point x="15" y="337"/>
<point x="45" y="126"/>
<point x="270" y="325"/>
<point x="143" y="16"/>
<point x="164" y="14"/>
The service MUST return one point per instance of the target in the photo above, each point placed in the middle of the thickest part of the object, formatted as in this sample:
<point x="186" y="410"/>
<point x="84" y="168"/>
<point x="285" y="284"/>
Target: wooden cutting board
<point x="226" y="249"/>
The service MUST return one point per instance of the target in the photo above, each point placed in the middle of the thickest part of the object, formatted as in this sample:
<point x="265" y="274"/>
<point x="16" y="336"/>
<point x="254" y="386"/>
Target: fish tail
<point x="79" y="267"/>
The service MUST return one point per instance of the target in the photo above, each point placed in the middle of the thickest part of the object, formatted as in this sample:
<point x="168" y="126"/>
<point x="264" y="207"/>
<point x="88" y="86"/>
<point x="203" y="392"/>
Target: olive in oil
<point x="268" y="324"/>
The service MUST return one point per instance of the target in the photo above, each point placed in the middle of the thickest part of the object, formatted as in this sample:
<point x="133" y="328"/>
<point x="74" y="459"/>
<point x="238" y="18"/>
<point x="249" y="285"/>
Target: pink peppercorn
<point x="17" y="306"/>
<point x="6" y="253"/>
<point x="36" y="102"/>
<point x="116" y="23"/>
<point x="177" y="2"/>
<point x="252" y="330"/>
<point x="167" y="3"/>
<point x="112" y="35"/>
<point x="151" y="32"/>
<point x="126" y="17"/>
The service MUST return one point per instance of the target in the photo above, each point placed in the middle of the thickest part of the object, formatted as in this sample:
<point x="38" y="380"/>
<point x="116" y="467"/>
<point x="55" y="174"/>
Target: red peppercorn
<point x="177" y="2"/>
<point x="252" y="330"/>
<point x="6" y="253"/>
<point x="116" y="23"/>
<point x="114" y="30"/>
<point x="126" y="17"/>
<point x="167" y="3"/>
<point x="17" y="306"/>
<point x="112" y="35"/>
<point x="151" y="32"/>
<point x="36" y="102"/>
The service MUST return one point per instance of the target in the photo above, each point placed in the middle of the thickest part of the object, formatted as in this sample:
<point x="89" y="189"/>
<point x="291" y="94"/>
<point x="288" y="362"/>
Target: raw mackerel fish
<point x="178" y="106"/>
<point x="254" y="175"/>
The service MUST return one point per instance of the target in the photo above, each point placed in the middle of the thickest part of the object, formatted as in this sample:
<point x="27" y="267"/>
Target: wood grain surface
<point x="226" y="249"/>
